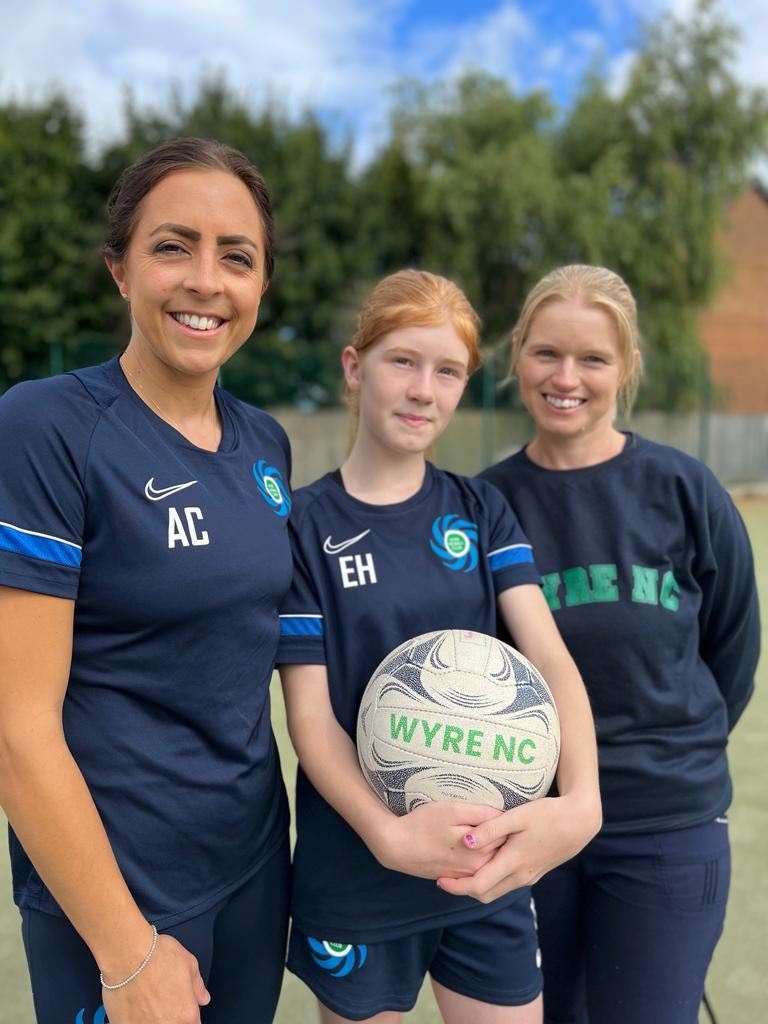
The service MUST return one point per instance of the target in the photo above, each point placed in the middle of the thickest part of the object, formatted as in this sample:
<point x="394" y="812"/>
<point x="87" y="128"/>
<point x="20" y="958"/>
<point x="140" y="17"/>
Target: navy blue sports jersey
<point x="648" y="571"/>
<point x="367" y="578"/>
<point x="177" y="560"/>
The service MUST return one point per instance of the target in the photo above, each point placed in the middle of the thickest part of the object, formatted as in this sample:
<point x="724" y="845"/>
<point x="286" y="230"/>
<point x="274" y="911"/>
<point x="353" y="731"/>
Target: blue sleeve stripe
<point x="513" y="554"/>
<point x="39" y="545"/>
<point x="301" y="625"/>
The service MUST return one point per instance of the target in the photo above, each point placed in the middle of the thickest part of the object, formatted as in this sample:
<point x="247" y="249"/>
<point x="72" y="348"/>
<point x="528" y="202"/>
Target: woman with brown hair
<point x="143" y="554"/>
<point x="648" y="571"/>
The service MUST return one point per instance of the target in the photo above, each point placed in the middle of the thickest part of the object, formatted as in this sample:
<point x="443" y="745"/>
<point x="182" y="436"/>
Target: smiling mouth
<point x="197" y="322"/>
<point x="563" y="403"/>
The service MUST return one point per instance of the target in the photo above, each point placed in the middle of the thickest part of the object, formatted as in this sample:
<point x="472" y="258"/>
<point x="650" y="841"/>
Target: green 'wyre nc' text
<point x="469" y="742"/>
<point x="599" y="584"/>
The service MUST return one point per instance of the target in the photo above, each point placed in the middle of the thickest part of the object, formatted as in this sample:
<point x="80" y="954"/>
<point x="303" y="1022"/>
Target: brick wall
<point x="734" y="329"/>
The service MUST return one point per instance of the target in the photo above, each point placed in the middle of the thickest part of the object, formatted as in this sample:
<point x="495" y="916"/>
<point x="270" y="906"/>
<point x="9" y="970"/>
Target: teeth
<point x="563" y="403"/>
<point x="197" y="323"/>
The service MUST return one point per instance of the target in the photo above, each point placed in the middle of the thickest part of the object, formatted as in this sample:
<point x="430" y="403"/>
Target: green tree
<point x="50" y="294"/>
<point x="646" y="176"/>
<point x="484" y="159"/>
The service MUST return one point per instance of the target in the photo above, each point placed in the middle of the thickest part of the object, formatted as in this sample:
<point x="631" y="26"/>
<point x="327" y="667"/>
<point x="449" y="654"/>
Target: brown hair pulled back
<point x="138" y="180"/>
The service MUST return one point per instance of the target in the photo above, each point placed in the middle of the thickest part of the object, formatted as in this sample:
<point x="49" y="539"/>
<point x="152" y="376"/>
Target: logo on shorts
<point x="454" y="541"/>
<point x="271" y="487"/>
<point x="99" y="1016"/>
<point x="338" y="958"/>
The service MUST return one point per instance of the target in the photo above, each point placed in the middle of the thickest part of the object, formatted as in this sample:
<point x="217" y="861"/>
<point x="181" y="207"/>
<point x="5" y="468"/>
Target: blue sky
<point x="340" y="56"/>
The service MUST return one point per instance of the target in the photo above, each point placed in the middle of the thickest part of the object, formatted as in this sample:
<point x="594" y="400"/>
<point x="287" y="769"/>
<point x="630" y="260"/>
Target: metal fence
<point x="734" y="446"/>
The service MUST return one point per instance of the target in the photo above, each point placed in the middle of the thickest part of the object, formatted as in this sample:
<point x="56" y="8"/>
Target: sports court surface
<point x="737" y="984"/>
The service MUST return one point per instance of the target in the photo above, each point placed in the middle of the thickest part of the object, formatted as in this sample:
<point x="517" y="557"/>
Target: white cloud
<point x="331" y="54"/>
<point x="339" y="56"/>
<point x="618" y="72"/>
<point x="750" y="17"/>
<point x="494" y="43"/>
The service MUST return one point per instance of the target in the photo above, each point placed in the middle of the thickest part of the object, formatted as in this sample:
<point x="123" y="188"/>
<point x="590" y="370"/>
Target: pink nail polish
<point x="470" y="840"/>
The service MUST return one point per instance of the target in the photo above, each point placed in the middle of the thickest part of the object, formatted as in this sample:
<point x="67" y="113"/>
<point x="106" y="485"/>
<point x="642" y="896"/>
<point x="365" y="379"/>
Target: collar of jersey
<point x="229" y="435"/>
<point x="631" y="445"/>
<point x="396" y="507"/>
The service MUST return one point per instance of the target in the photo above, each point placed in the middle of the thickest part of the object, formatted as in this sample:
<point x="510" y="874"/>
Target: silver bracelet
<point x="137" y="972"/>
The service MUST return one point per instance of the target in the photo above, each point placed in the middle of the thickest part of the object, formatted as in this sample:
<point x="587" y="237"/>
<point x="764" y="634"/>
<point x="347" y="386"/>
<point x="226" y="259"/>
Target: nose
<point x="204" y="274"/>
<point x="565" y="376"/>
<point x="421" y="386"/>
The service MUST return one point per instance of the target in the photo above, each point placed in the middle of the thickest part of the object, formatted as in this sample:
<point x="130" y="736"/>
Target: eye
<point x="241" y="259"/>
<point x="402" y="361"/>
<point x="451" y="371"/>
<point x="169" y="248"/>
<point x="545" y="353"/>
<point x="596" y="360"/>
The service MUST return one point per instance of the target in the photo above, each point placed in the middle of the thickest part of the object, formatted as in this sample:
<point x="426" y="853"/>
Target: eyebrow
<point x="194" y="236"/>
<point x="405" y="351"/>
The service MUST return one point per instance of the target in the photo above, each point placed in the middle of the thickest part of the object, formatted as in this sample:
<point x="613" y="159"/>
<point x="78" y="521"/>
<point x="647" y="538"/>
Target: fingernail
<point x="470" y="840"/>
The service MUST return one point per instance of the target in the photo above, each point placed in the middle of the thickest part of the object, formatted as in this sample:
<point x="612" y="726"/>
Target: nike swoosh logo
<point x="333" y="549"/>
<point x="158" y="493"/>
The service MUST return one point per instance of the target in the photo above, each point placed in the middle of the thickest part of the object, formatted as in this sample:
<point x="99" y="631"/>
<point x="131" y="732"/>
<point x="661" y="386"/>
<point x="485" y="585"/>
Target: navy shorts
<point x="239" y="944"/>
<point x="494" y="959"/>
<point x="628" y="927"/>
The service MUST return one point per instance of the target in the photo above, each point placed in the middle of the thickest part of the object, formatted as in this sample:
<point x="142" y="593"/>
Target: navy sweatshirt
<point x="648" y="570"/>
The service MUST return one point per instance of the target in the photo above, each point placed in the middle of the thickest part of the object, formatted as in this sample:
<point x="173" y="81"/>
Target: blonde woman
<point x="648" y="571"/>
<point x="381" y="900"/>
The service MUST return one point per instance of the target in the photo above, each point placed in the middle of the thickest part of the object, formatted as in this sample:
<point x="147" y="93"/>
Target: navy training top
<point x="367" y="578"/>
<point x="648" y="570"/>
<point x="177" y="559"/>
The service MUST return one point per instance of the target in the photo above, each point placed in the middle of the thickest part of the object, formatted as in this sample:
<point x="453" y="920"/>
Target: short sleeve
<point x="510" y="555"/>
<point x="45" y="428"/>
<point x="302" y="626"/>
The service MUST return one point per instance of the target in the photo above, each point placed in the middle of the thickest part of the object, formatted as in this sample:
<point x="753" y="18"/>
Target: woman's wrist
<point x="113" y="986"/>
<point x="126" y="948"/>
<point x="585" y="804"/>
<point x="378" y="833"/>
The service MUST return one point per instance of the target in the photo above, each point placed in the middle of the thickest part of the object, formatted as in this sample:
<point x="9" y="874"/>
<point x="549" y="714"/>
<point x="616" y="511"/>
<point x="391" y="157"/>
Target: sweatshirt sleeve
<point x="729" y="618"/>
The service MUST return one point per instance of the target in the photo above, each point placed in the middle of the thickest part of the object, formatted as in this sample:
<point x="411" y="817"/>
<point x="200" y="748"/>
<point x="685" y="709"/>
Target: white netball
<point x="457" y="715"/>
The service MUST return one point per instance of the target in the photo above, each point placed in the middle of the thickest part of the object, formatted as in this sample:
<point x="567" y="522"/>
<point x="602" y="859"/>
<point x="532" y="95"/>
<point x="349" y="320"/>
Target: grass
<point x="736" y="983"/>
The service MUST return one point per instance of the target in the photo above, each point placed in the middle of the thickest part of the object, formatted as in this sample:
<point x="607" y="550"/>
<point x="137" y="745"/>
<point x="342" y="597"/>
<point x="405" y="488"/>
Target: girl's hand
<point x="534" y="838"/>
<point x="169" y="990"/>
<point x="429" y="842"/>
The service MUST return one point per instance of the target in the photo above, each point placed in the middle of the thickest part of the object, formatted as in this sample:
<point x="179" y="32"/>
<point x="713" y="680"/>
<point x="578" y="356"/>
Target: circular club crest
<point x="338" y="958"/>
<point x="454" y="541"/>
<point x="271" y="487"/>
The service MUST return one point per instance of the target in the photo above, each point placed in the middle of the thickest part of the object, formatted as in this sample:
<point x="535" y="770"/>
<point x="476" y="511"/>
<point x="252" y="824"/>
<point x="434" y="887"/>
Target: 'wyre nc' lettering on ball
<point x="457" y="715"/>
<point x="455" y="739"/>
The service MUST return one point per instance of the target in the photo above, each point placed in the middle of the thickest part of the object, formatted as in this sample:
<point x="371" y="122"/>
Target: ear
<point x="117" y="270"/>
<point x="351" y="363"/>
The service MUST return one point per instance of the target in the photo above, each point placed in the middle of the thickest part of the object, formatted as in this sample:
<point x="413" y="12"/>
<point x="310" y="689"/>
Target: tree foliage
<point x="473" y="180"/>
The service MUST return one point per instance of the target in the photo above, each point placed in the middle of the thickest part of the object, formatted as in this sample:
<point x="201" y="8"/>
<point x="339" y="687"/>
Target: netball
<point x="457" y="715"/>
